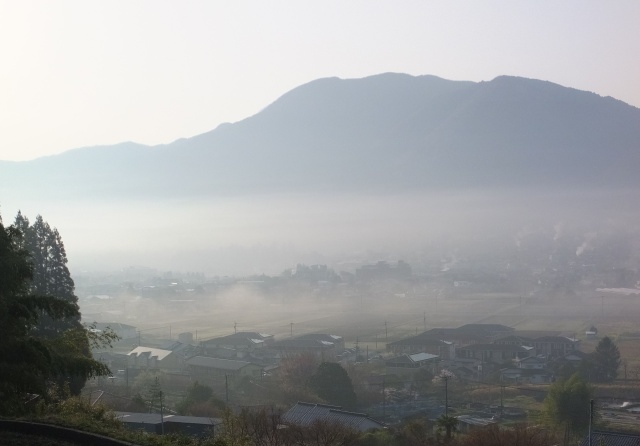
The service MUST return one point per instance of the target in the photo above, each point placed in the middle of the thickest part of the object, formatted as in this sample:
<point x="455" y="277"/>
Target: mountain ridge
<point x="390" y="131"/>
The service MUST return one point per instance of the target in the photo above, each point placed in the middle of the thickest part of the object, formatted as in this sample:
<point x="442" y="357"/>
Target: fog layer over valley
<point x="270" y="232"/>
<point x="528" y="261"/>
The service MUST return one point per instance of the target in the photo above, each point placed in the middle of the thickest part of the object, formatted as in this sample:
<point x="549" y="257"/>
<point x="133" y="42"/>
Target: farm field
<point x="374" y="322"/>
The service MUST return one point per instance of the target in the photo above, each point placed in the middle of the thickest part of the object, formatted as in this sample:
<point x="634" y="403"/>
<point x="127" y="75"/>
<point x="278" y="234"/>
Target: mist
<point x="265" y="234"/>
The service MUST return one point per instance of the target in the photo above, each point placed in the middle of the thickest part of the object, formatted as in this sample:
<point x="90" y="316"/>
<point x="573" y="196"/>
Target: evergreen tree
<point x="332" y="383"/>
<point x="51" y="277"/>
<point x="605" y="360"/>
<point x="28" y="360"/>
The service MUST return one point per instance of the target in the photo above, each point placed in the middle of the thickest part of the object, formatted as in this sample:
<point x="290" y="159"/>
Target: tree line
<point x="44" y="344"/>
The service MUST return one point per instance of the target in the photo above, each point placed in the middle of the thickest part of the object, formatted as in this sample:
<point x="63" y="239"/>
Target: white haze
<point x="268" y="233"/>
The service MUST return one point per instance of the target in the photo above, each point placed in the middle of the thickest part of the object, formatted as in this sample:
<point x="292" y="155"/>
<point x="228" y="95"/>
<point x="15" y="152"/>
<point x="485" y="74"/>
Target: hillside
<point x="381" y="133"/>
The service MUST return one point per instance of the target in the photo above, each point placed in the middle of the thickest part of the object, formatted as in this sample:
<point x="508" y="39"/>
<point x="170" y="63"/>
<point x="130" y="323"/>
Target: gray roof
<point x="305" y="414"/>
<point x="423" y="339"/>
<point x="134" y="417"/>
<point x="514" y="338"/>
<point x="254" y="336"/>
<point x="489" y="328"/>
<point x="422" y="357"/>
<point x="611" y="439"/>
<point x="496" y="347"/>
<point x="303" y="344"/>
<point x="320" y="337"/>
<point x="154" y="418"/>
<point x="411" y="359"/>
<point x="217" y="363"/>
<point x="556" y="339"/>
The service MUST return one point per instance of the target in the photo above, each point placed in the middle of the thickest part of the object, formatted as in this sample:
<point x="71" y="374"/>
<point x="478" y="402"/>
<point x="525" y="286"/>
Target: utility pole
<point x="446" y="395"/>
<point x="501" y="396"/>
<point x="384" y="400"/>
<point x="161" y="414"/>
<point x="235" y="324"/>
<point x="226" y="389"/>
<point x="386" y="332"/>
<point x="590" y="419"/>
<point x="520" y="306"/>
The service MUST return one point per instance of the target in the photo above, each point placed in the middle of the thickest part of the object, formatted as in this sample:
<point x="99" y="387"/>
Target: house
<point x="335" y="339"/>
<point x="170" y="424"/>
<point x="323" y="350"/>
<point x="482" y="332"/>
<point x="246" y="341"/>
<point x="306" y="414"/>
<point x="530" y="362"/>
<point x="424" y="343"/>
<point x="153" y="358"/>
<point x="184" y="350"/>
<point x="552" y="346"/>
<point x="494" y="353"/>
<point x="555" y="346"/>
<point x="575" y="357"/>
<point x="521" y="375"/>
<point x="464" y="370"/>
<point x="514" y="340"/>
<point x="471" y="333"/>
<point x="208" y="369"/>
<point x="407" y="365"/>
<point x="591" y="332"/>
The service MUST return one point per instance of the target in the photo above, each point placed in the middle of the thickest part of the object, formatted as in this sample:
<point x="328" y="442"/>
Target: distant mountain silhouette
<point x="389" y="132"/>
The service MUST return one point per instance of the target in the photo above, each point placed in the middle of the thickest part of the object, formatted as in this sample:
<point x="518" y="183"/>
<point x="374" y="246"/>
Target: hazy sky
<point x="82" y="73"/>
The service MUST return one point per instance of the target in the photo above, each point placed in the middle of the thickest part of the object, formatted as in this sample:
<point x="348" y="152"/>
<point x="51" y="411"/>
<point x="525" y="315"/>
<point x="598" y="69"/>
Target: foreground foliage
<point x="264" y="427"/>
<point x="30" y="360"/>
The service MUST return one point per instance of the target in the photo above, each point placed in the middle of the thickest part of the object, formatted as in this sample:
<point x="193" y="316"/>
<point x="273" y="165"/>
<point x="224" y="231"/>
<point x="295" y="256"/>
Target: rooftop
<point x="305" y="414"/>
<point x="217" y="363"/>
<point x="158" y="353"/>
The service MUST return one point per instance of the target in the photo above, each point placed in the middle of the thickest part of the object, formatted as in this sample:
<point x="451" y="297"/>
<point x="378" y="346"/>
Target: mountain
<point x="389" y="132"/>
